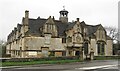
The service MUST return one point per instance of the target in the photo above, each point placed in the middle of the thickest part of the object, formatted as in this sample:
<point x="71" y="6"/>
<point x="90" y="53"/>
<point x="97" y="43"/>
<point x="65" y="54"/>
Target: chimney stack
<point x="78" y="19"/>
<point x="53" y="18"/>
<point x="26" y="21"/>
<point x="26" y="14"/>
<point x="26" y="17"/>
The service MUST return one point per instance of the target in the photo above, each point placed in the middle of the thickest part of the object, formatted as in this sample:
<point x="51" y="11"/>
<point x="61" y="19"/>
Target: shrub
<point x="105" y="57"/>
<point x="40" y="59"/>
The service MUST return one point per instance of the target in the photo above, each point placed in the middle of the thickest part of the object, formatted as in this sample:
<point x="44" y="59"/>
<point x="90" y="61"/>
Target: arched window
<point x="98" y="48"/>
<point x="101" y="48"/>
<point x="78" y="29"/>
<point x="86" y="48"/>
<point x="50" y="28"/>
<point x="78" y="38"/>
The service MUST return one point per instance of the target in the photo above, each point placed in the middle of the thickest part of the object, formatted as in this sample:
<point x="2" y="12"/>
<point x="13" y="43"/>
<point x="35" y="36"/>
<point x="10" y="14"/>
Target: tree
<point x="114" y="34"/>
<point x="2" y="48"/>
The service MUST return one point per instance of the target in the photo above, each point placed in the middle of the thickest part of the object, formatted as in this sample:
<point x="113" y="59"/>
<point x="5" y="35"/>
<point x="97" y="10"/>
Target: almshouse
<point x="49" y="37"/>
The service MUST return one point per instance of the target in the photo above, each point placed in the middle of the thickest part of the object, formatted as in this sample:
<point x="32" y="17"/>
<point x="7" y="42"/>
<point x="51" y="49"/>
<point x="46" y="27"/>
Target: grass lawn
<point x="107" y="57"/>
<point x="38" y="62"/>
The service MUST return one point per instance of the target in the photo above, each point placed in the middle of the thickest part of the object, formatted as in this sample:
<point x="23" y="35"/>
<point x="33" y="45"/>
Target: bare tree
<point x="113" y="33"/>
<point x="2" y="48"/>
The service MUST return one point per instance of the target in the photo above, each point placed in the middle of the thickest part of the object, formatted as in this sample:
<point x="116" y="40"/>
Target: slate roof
<point x="91" y="28"/>
<point x="109" y="38"/>
<point x="61" y="27"/>
<point x="35" y="24"/>
<point x="19" y="27"/>
<point x="83" y="24"/>
<point x="70" y="25"/>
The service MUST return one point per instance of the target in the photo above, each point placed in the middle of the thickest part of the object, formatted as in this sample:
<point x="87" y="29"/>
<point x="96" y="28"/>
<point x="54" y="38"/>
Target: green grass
<point x="38" y="62"/>
<point x="106" y="57"/>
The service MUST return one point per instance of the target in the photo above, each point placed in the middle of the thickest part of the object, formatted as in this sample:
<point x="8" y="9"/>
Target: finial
<point x="64" y="7"/>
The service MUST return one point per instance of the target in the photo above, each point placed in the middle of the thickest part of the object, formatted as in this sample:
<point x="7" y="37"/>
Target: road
<point x="106" y="65"/>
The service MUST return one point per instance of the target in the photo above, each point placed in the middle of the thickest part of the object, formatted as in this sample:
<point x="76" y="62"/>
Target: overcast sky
<point x="93" y="12"/>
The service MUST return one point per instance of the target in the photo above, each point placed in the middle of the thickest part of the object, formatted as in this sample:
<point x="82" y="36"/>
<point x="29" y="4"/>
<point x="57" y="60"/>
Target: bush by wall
<point x="39" y="59"/>
<point x="106" y="57"/>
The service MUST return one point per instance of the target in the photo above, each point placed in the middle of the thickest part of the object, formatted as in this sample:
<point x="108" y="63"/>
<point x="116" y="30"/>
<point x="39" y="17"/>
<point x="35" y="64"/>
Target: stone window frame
<point x="69" y="39"/>
<point x="78" y="38"/>
<point x="101" y="48"/>
<point x="50" y="28"/>
<point x="101" y="33"/>
<point x="86" y="48"/>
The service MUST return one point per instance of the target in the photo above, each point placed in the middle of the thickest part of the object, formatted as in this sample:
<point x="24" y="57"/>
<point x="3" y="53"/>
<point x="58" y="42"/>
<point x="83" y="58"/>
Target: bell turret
<point x="64" y="15"/>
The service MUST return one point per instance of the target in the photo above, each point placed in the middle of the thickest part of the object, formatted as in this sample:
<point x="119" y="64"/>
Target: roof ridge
<point x="37" y="19"/>
<point x="93" y="25"/>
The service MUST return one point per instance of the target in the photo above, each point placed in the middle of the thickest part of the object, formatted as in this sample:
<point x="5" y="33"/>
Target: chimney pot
<point x="26" y="14"/>
<point x="77" y="19"/>
<point x="26" y="11"/>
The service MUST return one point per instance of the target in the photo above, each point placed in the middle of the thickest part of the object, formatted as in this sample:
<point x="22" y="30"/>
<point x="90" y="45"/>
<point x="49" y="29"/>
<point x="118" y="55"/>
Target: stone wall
<point x="109" y="48"/>
<point x="93" y="46"/>
<point x="36" y="43"/>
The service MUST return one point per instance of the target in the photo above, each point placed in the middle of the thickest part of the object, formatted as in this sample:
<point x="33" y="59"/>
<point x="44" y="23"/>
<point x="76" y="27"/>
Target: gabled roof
<point x="109" y="38"/>
<point x="19" y="27"/>
<point x="83" y="24"/>
<point x="61" y="27"/>
<point x="91" y="28"/>
<point x="70" y="25"/>
<point x="35" y="24"/>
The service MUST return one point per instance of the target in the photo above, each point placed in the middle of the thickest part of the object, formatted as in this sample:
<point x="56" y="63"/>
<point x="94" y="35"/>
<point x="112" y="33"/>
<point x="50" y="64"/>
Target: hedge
<point x="39" y="59"/>
<point x="106" y="57"/>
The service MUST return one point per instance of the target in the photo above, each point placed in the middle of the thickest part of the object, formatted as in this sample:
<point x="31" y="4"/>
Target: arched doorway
<point x="77" y="53"/>
<point x="101" y="48"/>
<point x="86" y="48"/>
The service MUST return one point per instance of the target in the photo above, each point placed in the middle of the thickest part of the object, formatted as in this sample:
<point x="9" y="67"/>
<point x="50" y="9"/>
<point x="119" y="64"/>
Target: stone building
<point x="49" y="37"/>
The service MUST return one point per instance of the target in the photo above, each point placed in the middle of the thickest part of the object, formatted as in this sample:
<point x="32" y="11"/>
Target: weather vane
<point x="64" y="7"/>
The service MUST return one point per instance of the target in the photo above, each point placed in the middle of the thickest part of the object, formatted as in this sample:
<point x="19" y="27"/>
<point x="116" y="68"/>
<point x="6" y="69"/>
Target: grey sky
<point x="94" y="12"/>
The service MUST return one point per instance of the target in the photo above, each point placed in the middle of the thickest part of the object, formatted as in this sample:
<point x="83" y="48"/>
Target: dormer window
<point x="51" y="29"/>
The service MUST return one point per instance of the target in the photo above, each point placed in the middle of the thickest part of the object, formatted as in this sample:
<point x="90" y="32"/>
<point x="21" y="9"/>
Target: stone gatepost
<point x="67" y="52"/>
<point x="91" y="54"/>
<point x="81" y="54"/>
